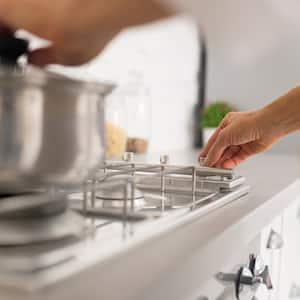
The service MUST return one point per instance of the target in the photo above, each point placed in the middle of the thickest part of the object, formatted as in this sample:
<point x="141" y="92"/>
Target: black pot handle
<point x="11" y="48"/>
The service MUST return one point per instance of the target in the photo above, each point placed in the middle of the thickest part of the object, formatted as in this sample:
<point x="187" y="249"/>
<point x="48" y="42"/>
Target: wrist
<point x="271" y="122"/>
<point x="284" y="113"/>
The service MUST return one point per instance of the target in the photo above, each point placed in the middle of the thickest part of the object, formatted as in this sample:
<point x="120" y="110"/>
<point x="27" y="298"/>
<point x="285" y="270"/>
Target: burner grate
<point x="132" y="191"/>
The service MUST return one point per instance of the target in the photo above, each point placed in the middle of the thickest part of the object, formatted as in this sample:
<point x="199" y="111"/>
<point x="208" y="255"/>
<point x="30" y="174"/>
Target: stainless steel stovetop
<point x="48" y="236"/>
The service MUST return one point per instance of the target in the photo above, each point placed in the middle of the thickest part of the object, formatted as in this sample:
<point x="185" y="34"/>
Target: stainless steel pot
<point x="51" y="127"/>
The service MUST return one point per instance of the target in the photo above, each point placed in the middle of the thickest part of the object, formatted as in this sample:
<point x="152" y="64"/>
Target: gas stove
<point x="48" y="236"/>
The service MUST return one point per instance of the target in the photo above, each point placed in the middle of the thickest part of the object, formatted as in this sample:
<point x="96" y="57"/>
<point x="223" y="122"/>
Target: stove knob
<point x="256" y="264"/>
<point x="240" y="280"/>
<point x="254" y="276"/>
<point x="294" y="292"/>
<point x="260" y="272"/>
<point x="275" y="241"/>
<point x="128" y="156"/>
<point x="164" y="159"/>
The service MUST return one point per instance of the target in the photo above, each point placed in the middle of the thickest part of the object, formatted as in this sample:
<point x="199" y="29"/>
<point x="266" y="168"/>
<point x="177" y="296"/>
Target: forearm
<point x="126" y="13"/>
<point x="284" y="113"/>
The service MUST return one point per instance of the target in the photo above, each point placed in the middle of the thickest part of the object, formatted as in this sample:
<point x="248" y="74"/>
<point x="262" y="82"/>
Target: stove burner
<point x="115" y="199"/>
<point x="118" y="195"/>
<point x="156" y="187"/>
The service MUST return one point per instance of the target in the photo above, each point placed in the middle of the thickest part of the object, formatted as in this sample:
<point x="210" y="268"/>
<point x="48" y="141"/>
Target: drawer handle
<point x="275" y="241"/>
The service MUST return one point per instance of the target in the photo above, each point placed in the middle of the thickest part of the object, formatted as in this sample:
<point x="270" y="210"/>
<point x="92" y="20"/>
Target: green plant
<point x="214" y="114"/>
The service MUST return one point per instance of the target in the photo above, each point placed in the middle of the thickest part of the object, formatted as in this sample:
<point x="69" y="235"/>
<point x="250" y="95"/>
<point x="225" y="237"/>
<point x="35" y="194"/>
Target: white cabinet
<point x="214" y="289"/>
<point x="284" y="263"/>
<point x="270" y="252"/>
<point x="290" y="257"/>
<point x="272" y="242"/>
<point x="278" y="245"/>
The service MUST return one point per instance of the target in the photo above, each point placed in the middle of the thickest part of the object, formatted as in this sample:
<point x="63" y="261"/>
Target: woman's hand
<point x="78" y="29"/>
<point x="240" y="135"/>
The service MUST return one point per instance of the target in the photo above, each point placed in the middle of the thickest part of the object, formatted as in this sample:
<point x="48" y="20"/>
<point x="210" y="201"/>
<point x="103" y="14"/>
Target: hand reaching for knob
<point x="240" y="135"/>
<point x="243" y="134"/>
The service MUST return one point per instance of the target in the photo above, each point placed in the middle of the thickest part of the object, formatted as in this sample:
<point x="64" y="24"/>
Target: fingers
<point x="236" y="159"/>
<point x="70" y="53"/>
<point x="54" y="55"/>
<point x="228" y="154"/>
<point x="217" y="149"/>
<point x="213" y="138"/>
<point x="238" y="138"/>
<point x="42" y="57"/>
<point x="210" y="142"/>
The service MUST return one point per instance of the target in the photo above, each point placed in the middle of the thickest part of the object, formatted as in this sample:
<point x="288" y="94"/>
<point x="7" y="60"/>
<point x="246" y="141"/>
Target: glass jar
<point x="115" y="125"/>
<point x="138" y="106"/>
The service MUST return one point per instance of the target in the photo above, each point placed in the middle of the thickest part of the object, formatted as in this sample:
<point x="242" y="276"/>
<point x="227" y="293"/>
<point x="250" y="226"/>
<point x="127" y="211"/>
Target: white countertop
<point x="169" y="255"/>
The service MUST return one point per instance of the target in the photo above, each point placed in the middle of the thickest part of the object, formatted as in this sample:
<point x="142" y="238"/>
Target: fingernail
<point x="201" y="160"/>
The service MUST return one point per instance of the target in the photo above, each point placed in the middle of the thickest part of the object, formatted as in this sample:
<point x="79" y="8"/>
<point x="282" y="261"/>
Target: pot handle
<point x="11" y="48"/>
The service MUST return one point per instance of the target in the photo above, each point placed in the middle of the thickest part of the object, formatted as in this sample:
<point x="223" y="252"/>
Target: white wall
<point x="167" y="54"/>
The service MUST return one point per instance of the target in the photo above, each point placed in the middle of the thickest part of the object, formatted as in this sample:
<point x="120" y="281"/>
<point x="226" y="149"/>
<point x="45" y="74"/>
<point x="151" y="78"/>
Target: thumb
<point x="55" y="55"/>
<point x="71" y="56"/>
<point x="43" y="56"/>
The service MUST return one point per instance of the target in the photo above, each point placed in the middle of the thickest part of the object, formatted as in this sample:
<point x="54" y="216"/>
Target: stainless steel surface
<point x="260" y="271"/>
<point x="254" y="275"/>
<point x="164" y="188"/>
<point x="118" y="195"/>
<point x="51" y="129"/>
<point x="16" y="231"/>
<point x="37" y="257"/>
<point x="107" y="198"/>
<point x="32" y="205"/>
<point x="164" y="159"/>
<point x="241" y="282"/>
<point x="128" y="156"/>
<point x="119" y="202"/>
<point x="275" y="240"/>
